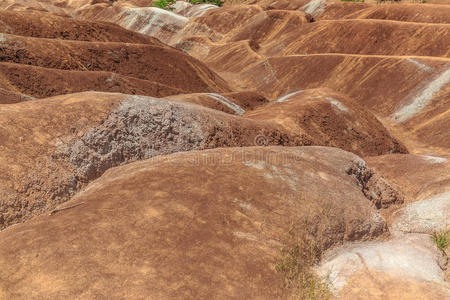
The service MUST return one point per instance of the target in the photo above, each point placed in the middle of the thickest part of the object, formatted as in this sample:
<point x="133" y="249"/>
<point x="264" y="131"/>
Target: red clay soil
<point x="229" y="18"/>
<point x="162" y="23"/>
<point x="203" y="99"/>
<point x="282" y="32"/>
<point x="134" y="68"/>
<point x="46" y="25"/>
<point x="268" y="25"/>
<point x="376" y="82"/>
<point x="393" y="61"/>
<point x="58" y="7"/>
<point x="160" y="64"/>
<point x="68" y="141"/>
<point x="9" y="97"/>
<point x="270" y="4"/>
<point x="227" y="59"/>
<point x="87" y="133"/>
<point x="431" y="126"/>
<point x="405" y="12"/>
<point x="44" y="82"/>
<point x="133" y="233"/>
<point x="137" y="3"/>
<point x="246" y="101"/>
<point x="331" y="119"/>
<point x="290" y="32"/>
<point x="383" y="80"/>
<point x="417" y="176"/>
<point x="285" y="4"/>
<point x="373" y="37"/>
<point x="160" y="204"/>
<point x="340" y="10"/>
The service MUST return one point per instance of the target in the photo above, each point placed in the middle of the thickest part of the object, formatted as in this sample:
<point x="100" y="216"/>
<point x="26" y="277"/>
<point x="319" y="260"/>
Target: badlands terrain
<point x="263" y="149"/>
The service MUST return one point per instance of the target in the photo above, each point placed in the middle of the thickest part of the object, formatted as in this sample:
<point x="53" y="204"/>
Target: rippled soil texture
<point x="263" y="149"/>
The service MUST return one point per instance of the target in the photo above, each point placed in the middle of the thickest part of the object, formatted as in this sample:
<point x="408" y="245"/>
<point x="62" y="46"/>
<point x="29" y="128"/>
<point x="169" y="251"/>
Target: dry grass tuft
<point x="300" y="253"/>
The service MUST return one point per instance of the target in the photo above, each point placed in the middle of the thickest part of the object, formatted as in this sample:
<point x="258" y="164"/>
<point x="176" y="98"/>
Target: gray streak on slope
<point x="227" y="102"/>
<point x="419" y="102"/>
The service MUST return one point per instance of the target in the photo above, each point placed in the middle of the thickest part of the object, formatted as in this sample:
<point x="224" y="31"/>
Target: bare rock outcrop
<point x="47" y="157"/>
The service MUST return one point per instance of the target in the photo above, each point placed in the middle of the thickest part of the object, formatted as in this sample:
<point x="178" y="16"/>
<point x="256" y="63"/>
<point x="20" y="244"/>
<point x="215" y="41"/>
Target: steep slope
<point x="377" y="37"/>
<point x="424" y="119"/>
<point x="42" y="82"/>
<point x="406" y="12"/>
<point x="377" y="82"/>
<point x="148" y="62"/>
<point x="94" y="56"/>
<point x="46" y="25"/>
<point x="153" y="21"/>
<point x="331" y="119"/>
<point x="414" y="106"/>
<point x="62" y="7"/>
<point x="8" y="97"/>
<point x="233" y="103"/>
<point x="417" y="176"/>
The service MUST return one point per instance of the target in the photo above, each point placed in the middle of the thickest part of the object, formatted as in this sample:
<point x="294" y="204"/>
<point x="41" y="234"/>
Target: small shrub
<point x="387" y="1"/>
<point x="167" y="4"/>
<point x="215" y="2"/>
<point x="395" y="1"/>
<point x="442" y="239"/>
<point x="164" y="4"/>
<point x="352" y="0"/>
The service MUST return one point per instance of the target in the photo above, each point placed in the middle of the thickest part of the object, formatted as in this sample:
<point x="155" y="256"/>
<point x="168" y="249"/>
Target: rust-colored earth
<point x="200" y="152"/>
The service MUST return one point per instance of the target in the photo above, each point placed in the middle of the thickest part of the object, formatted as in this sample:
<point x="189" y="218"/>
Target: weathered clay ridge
<point x="224" y="149"/>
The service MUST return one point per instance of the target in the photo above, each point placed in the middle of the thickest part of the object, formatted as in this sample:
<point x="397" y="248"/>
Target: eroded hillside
<point x="263" y="149"/>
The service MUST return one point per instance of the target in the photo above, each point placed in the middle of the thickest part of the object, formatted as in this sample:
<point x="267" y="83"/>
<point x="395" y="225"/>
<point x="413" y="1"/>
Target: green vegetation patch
<point x="441" y="239"/>
<point x="164" y="4"/>
<point x="168" y="4"/>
